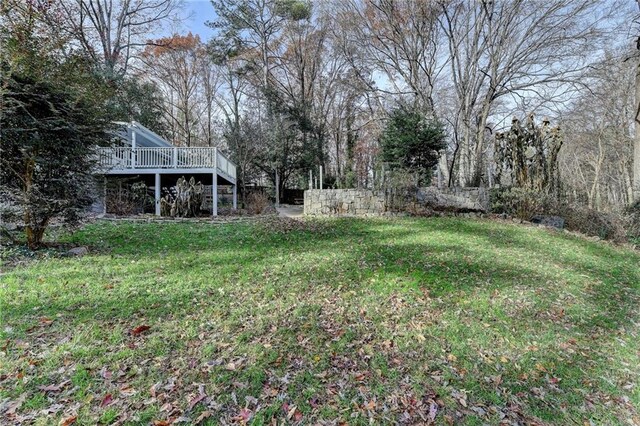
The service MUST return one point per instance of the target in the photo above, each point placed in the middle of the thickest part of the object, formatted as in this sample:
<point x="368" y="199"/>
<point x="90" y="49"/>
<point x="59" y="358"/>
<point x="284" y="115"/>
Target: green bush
<point x="413" y="142"/>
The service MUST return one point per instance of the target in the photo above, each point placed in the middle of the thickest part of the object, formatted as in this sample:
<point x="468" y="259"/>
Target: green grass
<point x="378" y="320"/>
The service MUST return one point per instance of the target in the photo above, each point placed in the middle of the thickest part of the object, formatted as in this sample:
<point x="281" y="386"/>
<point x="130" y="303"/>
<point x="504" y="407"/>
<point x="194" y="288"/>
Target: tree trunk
<point x="628" y="183"/>
<point x="594" y="194"/>
<point x="636" y="144"/>
<point x="34" y="236"/>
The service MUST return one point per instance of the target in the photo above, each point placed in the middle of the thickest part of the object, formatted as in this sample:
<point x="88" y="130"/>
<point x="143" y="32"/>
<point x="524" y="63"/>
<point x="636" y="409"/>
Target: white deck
<point x="126" y="160"/>
<point x="169" y="160"/>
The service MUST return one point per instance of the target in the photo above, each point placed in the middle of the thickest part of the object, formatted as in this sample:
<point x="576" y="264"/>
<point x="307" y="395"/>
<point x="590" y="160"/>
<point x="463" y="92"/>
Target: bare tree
<point x="250" y="30"/>
<point x="400" y="42"/>
<point x="512" y="49"/>
<point x="175" y="63"/>
<point x="597" y="161"/>
<point x="636" y="145"/>
<point x="211" y="80"/>
<point x="240" y="128"/>
<point x="112" y="32"/>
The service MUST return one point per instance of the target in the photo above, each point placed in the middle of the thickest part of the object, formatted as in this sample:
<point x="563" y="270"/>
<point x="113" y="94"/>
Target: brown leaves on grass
<point x="243" y="416"/>
<point x="139" y="330"/>
<point x="13" y="406"/>
<point x="68" y="421"/>
<point x="292" y="412"/>
<point x="285" y="225"/>
<point x="44" y="321"/>
<point x="54" y="388"/>
<point x="108" y="399"/>
<point x="201" y="396"/>
<point x="203" y="416"/>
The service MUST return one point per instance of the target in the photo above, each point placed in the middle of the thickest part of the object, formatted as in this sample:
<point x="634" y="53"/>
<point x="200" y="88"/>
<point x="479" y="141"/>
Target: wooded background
<point x="286" y="86"/>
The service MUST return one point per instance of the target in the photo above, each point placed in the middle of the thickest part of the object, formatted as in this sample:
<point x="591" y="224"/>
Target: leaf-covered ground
<point x="378" y="321"/>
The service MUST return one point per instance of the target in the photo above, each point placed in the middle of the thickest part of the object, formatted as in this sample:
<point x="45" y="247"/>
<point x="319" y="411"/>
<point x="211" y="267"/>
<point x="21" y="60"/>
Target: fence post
<point x="320" y="177"/>
<point x="175" y="157"/>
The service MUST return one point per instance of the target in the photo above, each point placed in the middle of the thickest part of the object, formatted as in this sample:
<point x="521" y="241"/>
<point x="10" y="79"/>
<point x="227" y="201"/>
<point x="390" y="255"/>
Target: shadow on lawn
<point x="613" y="271"/>
<point x="444" y="262"/>
<point x="367" y="247"/>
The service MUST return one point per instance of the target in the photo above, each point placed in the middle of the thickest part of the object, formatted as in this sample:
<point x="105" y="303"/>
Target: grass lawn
<point x="341" y="321"/>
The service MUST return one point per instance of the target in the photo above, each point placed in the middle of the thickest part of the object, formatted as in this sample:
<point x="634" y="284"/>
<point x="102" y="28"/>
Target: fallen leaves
<point x="44" y="321"/>
<point x="54" y="388"/>
<point x="244" y="415"/>
<point x="316" y="344"/>
<point x="13" y="407"/>
<point x="203" y="416"/>
<point x="139" y="330"/>
<point x="196" y="400"/>
<point x="107" y="400"/>
<point x="460" y="396"/>
<point x="68" y="421"/>
<point x="292" y="412"/>
<point x="127" y="390"/>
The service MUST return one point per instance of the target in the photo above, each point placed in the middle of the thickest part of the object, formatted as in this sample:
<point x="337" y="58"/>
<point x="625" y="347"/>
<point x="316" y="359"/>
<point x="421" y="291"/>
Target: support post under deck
<point x="235" y="196"/>
<point x="104" y="195"/>
<point x="157" y="194"/>
<point x="214" y="195"/>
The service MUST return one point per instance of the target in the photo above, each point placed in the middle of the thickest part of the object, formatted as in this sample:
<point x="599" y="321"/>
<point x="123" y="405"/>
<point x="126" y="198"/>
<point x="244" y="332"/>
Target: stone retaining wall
<point x="350" y="202"/>
<point x="364" y="202"/>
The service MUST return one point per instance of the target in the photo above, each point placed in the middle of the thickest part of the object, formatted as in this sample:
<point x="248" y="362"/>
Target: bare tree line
<point x="288" y="86"/>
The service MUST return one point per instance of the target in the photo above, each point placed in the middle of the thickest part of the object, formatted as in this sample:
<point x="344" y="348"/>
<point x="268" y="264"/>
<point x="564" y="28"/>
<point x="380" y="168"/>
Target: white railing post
<point x="133" y="149"/>
<point x="134" y="157"/>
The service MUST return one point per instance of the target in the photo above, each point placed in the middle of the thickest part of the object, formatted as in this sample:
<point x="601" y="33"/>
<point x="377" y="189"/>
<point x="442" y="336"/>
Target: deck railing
<point x="127" y="158"/>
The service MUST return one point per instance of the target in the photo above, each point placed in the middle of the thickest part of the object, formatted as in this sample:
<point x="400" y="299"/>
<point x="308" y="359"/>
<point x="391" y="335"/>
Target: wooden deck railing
<point x="127" y="158"/>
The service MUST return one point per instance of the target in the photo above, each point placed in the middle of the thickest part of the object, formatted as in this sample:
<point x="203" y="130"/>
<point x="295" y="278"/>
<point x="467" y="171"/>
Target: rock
<point x="552" y="221"/>
<point x="78" y="251"/>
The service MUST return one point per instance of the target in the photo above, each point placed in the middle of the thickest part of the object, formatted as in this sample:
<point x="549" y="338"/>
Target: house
<point x="141" y="152"/>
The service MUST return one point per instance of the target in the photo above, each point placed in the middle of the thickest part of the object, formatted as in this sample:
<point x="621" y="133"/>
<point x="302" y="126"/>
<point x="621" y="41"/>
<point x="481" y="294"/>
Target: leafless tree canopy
<point x="112" y="32"/>
<point x="288" y="86"/>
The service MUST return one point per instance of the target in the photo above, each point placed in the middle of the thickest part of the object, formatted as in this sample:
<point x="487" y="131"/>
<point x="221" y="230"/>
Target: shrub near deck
<point x="384" y="320"/>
